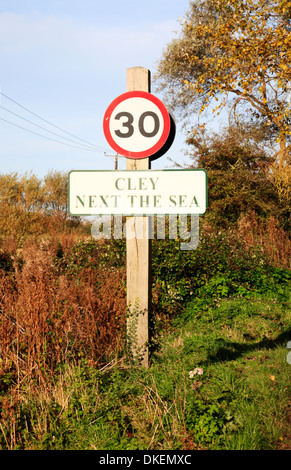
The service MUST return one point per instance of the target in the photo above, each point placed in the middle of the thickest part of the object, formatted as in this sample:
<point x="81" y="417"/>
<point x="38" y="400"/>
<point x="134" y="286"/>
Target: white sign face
<point x="136" y="124"/>
<point x="137" y="192"/>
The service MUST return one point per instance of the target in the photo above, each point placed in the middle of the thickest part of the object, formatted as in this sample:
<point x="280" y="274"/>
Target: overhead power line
<point x="97" y="147"/>
<point x="48" y="138"/>
<point x="47" y="130"/>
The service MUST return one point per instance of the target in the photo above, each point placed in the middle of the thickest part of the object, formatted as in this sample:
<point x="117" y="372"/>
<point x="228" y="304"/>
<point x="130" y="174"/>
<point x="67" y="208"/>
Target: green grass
<point x="241" y="347"/>
<point x="239" y="402"/>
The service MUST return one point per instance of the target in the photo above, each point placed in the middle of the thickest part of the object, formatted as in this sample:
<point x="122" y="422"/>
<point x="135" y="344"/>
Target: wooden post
<point x="138" y="250"/>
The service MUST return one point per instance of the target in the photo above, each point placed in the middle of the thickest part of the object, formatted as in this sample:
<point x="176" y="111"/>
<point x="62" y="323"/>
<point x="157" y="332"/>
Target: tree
<point x="29" y="205"/>
<point x="237" y="181"/>
<point x="237" y="50"/>
<point x="21" y="205"/>
<point x="56" y="194"/>
<point x="55" y="189"/>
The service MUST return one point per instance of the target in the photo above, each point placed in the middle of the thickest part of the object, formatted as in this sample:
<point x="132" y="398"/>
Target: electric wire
<point x="47" y="130"/>
<point x="51" y="124"/>
<point x="48" y="138"/>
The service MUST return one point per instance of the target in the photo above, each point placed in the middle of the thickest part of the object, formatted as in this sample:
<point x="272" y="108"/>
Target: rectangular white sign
<point x="137" y="192"/>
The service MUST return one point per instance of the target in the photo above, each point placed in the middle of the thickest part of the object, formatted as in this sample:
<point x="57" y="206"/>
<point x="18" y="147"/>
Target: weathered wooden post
<point x="138" y="257"/>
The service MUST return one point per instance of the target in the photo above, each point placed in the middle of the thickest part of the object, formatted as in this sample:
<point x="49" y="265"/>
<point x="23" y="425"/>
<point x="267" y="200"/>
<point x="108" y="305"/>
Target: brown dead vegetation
<point x="48" y="317"/>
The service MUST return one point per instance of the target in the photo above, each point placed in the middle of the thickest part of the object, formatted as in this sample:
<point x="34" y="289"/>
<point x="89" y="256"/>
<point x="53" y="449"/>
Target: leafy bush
<point x="91" y="254"/>
<point x="222" y="266"/>
<point x="204" y="420"/>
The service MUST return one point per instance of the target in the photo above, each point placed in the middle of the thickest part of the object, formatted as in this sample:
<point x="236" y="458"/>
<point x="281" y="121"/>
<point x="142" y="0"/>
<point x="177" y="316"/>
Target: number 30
<point x="129" y="124"/>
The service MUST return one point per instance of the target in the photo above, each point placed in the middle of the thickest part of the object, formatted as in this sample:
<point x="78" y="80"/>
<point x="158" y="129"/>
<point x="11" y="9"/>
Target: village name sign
<point x="137" y="192"/>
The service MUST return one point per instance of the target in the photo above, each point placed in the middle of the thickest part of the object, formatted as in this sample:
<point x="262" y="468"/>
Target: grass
<point x="239" y="402"/>
<point x="241" y="347"/>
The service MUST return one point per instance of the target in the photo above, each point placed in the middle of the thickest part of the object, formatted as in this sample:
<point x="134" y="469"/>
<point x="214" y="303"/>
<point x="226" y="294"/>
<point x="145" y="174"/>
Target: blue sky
<point x="66" y="60"/>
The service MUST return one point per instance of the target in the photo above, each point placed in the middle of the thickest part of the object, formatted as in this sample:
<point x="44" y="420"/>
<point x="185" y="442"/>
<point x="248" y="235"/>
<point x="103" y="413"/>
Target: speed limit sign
<point x="136" y="124"/>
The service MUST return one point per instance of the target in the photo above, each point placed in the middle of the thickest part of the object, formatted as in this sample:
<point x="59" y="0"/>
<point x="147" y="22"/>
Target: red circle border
<point x="145" y="153"/>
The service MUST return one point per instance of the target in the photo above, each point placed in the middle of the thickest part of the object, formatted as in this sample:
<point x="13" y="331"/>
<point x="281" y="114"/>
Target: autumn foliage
<point x="51" y="314"/>
<point x="238" y="168"/>
<point x="235" y="55"/>
<point x="31" y="205"/>
<point x="57" y="303"/>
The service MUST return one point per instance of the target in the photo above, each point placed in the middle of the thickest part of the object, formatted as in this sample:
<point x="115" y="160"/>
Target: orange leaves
<point x="239" y="49"/>
<point x="242" y="41"/>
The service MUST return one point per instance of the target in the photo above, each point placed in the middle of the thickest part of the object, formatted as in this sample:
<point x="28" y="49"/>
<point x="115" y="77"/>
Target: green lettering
<point x="154" y="182"/>
<point x="103" y="199"/>
<point x="129" y="185"/>
<point x="157" y="201"/>
<point x="82" y="202"/>
<point x="142" y="183"/>
<point x="117" y="184"/>
<point x="182" y="202"/>
<point x="173" y="200"/>
<point x="142" y="201"/>
<point x="131" y="200"/>
<point x="91" y="201"/>
<point x="115" y="200"/>
<point x="194" y="201"/>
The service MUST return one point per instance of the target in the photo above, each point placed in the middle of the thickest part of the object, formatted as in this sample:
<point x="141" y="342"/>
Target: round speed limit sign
<point x="136" y="124"/>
